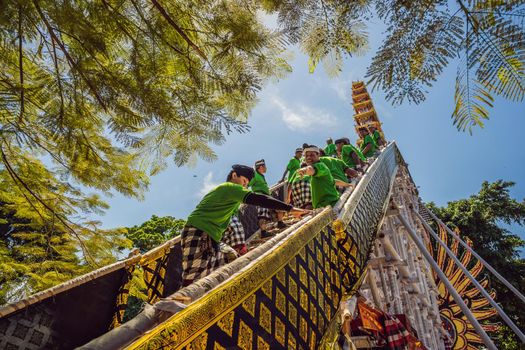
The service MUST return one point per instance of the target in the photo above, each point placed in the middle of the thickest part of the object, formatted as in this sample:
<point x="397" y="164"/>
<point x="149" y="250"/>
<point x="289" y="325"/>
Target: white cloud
<point x="207" y="185"/>
<point x="303" y="118"/>
<point x="343" y="87"/>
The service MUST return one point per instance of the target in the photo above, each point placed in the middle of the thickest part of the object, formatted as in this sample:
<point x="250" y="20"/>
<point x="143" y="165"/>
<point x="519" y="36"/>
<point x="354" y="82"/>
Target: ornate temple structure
<point x="376" y="271"/>
<point x="365" y="114"/>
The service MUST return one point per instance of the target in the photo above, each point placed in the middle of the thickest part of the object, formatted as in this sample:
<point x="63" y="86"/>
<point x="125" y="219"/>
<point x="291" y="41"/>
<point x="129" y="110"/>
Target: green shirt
<point x="369" y="140"/>
<point x="296" y="178"/>
<point x="322" y="186"/>
<point x="258" y="184"/>
<point x="337" y="168"/>
<point x="330" y="150"/>
<point x="292" y="167"/>
<point x="346" y="155"/>
<point x="377" y="136"/>
<point x="212" y="215"/>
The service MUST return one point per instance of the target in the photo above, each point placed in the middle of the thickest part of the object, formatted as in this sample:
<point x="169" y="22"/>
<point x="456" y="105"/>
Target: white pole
<point x="467" y="273"/>
<point x="486" y="264"/>
<point x="457" y="298"/>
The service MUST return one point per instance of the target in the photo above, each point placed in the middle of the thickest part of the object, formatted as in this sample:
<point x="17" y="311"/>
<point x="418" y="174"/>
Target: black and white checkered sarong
<point x="200" y="255"/>
<point x="234" y="234"/>
<point x="264" y="213"/>
<point x="301" y="194"/>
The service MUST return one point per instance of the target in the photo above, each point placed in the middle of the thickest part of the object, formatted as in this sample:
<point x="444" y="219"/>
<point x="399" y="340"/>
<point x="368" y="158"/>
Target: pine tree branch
<point x="93" y="150"/>
<point x="7" y="83"/>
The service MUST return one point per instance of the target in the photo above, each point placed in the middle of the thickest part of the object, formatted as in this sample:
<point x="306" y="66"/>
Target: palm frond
<point x="414" y="55"/>
<point x="498" y="48"/>
<point x="471" y="100"/>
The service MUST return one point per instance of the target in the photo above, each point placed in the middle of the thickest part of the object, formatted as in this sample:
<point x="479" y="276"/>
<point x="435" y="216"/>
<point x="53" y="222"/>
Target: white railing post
<point x="457" y="298"/>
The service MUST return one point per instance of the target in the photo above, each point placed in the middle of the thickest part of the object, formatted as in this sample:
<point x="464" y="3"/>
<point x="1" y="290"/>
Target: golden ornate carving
<point x="292" y="342"/>
<point x="303" y="330"/>
<point x="292" y="315"/>
<point x="267" y="289"/>
<point x="280" y="301"/>
<point x="249" y="305"/>
<point x="293" y="289"/>
<point x="245" y="336"/>
<point x="262" y="344"/>
<point x="265" y="318"/>
<point x="280" y="330"/>
<point x="339" y="228"/>
<point x="226" y="323"/>
<point x="199" y="343"/>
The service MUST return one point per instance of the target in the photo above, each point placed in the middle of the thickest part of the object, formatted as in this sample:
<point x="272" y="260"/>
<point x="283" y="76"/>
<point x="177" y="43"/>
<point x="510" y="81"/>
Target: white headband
<point x="311" y="149"/>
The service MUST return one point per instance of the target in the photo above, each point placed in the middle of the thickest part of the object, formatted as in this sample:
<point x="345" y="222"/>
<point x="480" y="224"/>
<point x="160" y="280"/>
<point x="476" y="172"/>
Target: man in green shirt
<point x="322" y="183"/>
<point x="293" y="164"/>
<point x="205" y="226"/>
<point x="368" y="146"/>
<point x="258" y="184"/>
<point x="330" y="149"/>
<point x="378" y="138"/>
<point x="349" y="154"/>
<point x="298" y="191"/>
<point x="339" y="169"/>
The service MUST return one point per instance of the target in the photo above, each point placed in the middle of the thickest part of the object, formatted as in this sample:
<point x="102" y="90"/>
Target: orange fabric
<point x="370" y="317"/>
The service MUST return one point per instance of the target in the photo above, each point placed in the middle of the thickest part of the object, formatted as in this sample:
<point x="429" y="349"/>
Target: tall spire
<point x="365" y="114"/>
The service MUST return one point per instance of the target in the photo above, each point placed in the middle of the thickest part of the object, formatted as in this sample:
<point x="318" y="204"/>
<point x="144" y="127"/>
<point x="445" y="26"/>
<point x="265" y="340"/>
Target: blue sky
<point x="446" y="164"/>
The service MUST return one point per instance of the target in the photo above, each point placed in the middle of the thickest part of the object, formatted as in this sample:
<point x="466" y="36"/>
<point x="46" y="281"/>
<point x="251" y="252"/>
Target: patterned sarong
<point x="200" y="255"/>
<point x="396" y="334"/>
<point x="234" y="234"/>
<point x="264" y="213"/>
<point x="301" y="195"/>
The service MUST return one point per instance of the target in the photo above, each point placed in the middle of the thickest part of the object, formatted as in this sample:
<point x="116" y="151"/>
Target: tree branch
<point x="153" y="32"/>
<point x="175" y="26"/>
<point x="68" y="56"/>
<point x="18" y="180"/>
<point x="20" y="64"/>
<point x="59" y="81"/>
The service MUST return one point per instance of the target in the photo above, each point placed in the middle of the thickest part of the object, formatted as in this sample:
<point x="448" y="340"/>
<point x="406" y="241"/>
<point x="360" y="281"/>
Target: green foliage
<point x="479" y="217"/>
<point x="424" y="36"/>
<point x="154" y="232"/>
<point x="326" y="30"/>
<point x="147" y="236"/>
<point x="39" y="249"/>
<point x="421" y="40"/>
<point x="506" y="340"/>
<point x="96" y="95"/>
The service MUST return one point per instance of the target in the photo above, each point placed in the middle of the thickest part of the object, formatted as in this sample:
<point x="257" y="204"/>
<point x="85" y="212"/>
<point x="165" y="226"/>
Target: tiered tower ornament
<point x="365" y="114"/>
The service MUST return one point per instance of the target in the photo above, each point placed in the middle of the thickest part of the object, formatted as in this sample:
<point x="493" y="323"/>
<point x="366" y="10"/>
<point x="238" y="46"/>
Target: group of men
<point x="316" y="176"/>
